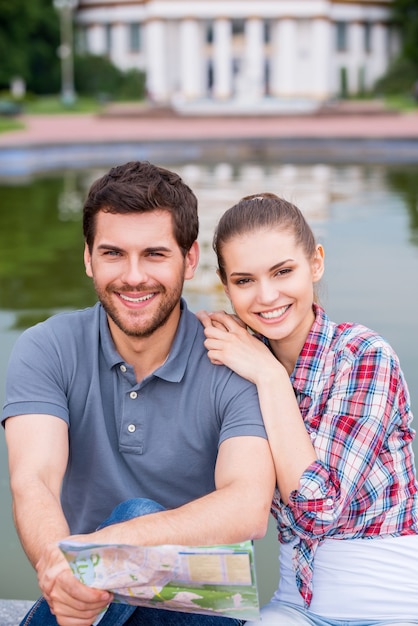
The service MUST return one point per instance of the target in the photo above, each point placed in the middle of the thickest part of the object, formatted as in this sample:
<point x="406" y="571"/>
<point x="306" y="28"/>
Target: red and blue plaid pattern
<point x="355" y="404"/>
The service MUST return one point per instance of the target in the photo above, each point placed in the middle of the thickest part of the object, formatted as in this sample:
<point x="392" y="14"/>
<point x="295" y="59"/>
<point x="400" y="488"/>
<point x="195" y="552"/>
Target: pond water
<point x="366" y="216"/>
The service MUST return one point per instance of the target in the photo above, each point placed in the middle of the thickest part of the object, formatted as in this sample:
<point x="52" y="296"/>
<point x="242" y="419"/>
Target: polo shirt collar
<point x="175" y="366"/>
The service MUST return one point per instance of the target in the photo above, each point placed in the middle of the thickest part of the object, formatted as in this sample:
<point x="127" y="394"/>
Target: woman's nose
<point x="267" y="292"/>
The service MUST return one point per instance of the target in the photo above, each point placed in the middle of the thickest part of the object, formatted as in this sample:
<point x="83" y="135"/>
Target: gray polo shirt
<point x="157" y="439"/>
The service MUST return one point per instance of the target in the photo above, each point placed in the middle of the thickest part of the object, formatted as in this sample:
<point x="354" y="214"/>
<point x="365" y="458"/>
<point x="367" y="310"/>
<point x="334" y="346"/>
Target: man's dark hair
<point x="139" y="187"/>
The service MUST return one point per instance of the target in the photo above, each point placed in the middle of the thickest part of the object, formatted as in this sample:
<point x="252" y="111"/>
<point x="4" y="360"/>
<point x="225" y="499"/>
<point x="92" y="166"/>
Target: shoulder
<point x="61" y="330"/>
<point x="71" y="321"/>
<point x="198" y="364"/>
<point x="358" y="339"/>
<point x="362" y="349"/>
<point x="348" y="340"/>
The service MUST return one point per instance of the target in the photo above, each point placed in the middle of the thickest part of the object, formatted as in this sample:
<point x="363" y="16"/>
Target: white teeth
<point x="143" y="299"/>
<point x="272" y="314"/>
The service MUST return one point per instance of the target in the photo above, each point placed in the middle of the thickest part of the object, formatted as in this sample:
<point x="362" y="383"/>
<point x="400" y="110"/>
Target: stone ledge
<point x="13" y="611"/>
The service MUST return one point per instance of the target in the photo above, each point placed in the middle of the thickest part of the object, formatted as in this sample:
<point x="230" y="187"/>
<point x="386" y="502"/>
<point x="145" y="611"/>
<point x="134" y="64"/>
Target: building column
<point x="191" y="70"/>
<point x="284" y="58"/>
<point x="156" y="62"/>
<point x="356" y="63"/>
<point x="321" y="56"/>
<point x="379" y="51"/>
<point x="222" y="58"/>
<point x="118" y="48"/>
<point x="96" y="39"/>
<point x="254" y="61"/>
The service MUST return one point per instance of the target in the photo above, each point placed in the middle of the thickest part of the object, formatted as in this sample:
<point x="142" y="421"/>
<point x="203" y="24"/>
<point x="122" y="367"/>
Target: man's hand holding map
<point x="205" y="579"/>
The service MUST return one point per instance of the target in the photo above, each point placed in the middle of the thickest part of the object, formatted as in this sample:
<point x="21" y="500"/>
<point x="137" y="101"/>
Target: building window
<point x="267" y="31"/>
<point x="135" y="39"/>
<point x="209" y="32"/>
<point x="367" y="37"/>
<point x="108" y="38"/>
<point x="237" y="27"/>
<point x="341" y="36"/>
<point x="81" y="40"/>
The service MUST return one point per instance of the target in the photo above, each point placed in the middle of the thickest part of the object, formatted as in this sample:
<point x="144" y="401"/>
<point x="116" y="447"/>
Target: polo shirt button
<point x="312" y="436"/>
<point x="133" y="395"/>
<point x="329" y="502"/>
<point x="131" y="428"/>
<point x="123" y="368"/>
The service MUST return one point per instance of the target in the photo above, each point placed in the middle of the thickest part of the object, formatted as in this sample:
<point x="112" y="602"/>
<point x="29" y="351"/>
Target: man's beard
<point x="138" y="326"/>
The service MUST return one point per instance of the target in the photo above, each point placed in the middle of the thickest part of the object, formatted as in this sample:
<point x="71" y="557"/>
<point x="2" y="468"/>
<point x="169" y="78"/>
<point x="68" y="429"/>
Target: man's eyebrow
<point x="157" y="249"/>
<point x="110" y="246"/>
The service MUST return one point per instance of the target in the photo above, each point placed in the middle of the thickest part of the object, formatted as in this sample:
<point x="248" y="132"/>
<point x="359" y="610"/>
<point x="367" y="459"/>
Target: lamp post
<point x="65" y="51"/>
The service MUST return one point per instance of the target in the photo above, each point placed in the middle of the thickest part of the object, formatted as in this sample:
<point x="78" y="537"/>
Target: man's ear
<point x="191" y="261"/>
<point x="318" y="264"/>
<point x="87" y="261"/>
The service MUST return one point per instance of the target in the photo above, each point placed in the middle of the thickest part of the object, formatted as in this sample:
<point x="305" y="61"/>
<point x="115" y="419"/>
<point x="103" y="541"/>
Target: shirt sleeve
<point x="34" y="381"/>
<point x="360" y="428"/>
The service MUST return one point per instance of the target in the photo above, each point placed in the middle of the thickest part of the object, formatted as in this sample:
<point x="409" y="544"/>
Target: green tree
<point x="29" y="38"/>
<point x="405" y="16"/>
<point x="96" y="76"/>
<point x="402" y="75"/>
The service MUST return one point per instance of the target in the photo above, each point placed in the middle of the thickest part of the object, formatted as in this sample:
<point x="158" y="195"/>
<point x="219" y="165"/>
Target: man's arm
<point x="38" y="455"/>
<point x="237" y="510"/>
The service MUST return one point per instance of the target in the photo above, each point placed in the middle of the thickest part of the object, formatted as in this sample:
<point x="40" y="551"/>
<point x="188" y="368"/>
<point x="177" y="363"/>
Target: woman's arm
<point x="361" y="466"/>
<point x="230" y="344"/>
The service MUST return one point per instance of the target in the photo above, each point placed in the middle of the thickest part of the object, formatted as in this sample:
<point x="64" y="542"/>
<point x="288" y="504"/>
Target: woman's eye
<point x="242" y="281"/>
<point x="284" y="271"/>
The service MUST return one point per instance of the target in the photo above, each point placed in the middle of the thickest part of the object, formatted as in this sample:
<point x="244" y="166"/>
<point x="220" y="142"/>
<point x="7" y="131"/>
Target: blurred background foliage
<point x="29" y="41"/>
<point x="53" y="237"/>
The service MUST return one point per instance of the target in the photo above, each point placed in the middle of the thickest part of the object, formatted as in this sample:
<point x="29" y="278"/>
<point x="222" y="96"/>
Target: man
<point x="120" y="402"/>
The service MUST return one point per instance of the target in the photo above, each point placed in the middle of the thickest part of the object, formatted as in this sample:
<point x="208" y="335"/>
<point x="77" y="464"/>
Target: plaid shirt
<point x="355" y="404"/>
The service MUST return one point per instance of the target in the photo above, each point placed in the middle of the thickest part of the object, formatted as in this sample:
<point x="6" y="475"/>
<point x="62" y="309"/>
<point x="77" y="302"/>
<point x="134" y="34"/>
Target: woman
<point x="337" y="412"/>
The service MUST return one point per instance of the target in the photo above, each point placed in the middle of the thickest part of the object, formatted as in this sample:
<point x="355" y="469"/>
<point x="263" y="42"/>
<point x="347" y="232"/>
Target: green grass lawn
<point x="10" y="123"/>
<point x="49" y="105"/>
<point x="401" y="103"/>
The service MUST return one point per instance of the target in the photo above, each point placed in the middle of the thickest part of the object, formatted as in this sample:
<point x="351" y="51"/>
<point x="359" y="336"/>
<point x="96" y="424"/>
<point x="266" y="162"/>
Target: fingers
<point x="74" y="603"/>
<point x="213" y="320"/>
<point x="227" y="321"/>
<point x="204" y="318"/>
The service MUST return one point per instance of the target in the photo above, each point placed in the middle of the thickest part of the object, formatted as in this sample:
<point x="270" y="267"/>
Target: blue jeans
<point x="124" y="614"/>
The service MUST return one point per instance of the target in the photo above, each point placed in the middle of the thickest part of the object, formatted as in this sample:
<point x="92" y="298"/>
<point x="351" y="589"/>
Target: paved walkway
<point x="13" y="611"/>
<point x="74" y="128"/>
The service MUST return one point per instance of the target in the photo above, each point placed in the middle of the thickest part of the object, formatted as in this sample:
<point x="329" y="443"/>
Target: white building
<point x="254" y="53"/>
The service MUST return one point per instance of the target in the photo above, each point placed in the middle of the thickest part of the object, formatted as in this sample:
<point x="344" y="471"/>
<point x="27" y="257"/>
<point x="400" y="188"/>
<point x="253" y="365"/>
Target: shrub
<point x="399" y="79"/>
<point x="97" y="76"/>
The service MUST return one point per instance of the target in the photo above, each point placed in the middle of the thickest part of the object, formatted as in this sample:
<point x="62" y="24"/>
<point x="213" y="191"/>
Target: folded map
<point x="210" y="580"/>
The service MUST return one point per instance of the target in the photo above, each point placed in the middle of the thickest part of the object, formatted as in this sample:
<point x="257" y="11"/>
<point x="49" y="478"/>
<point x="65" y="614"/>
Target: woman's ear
<point x="318" y="264"/>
